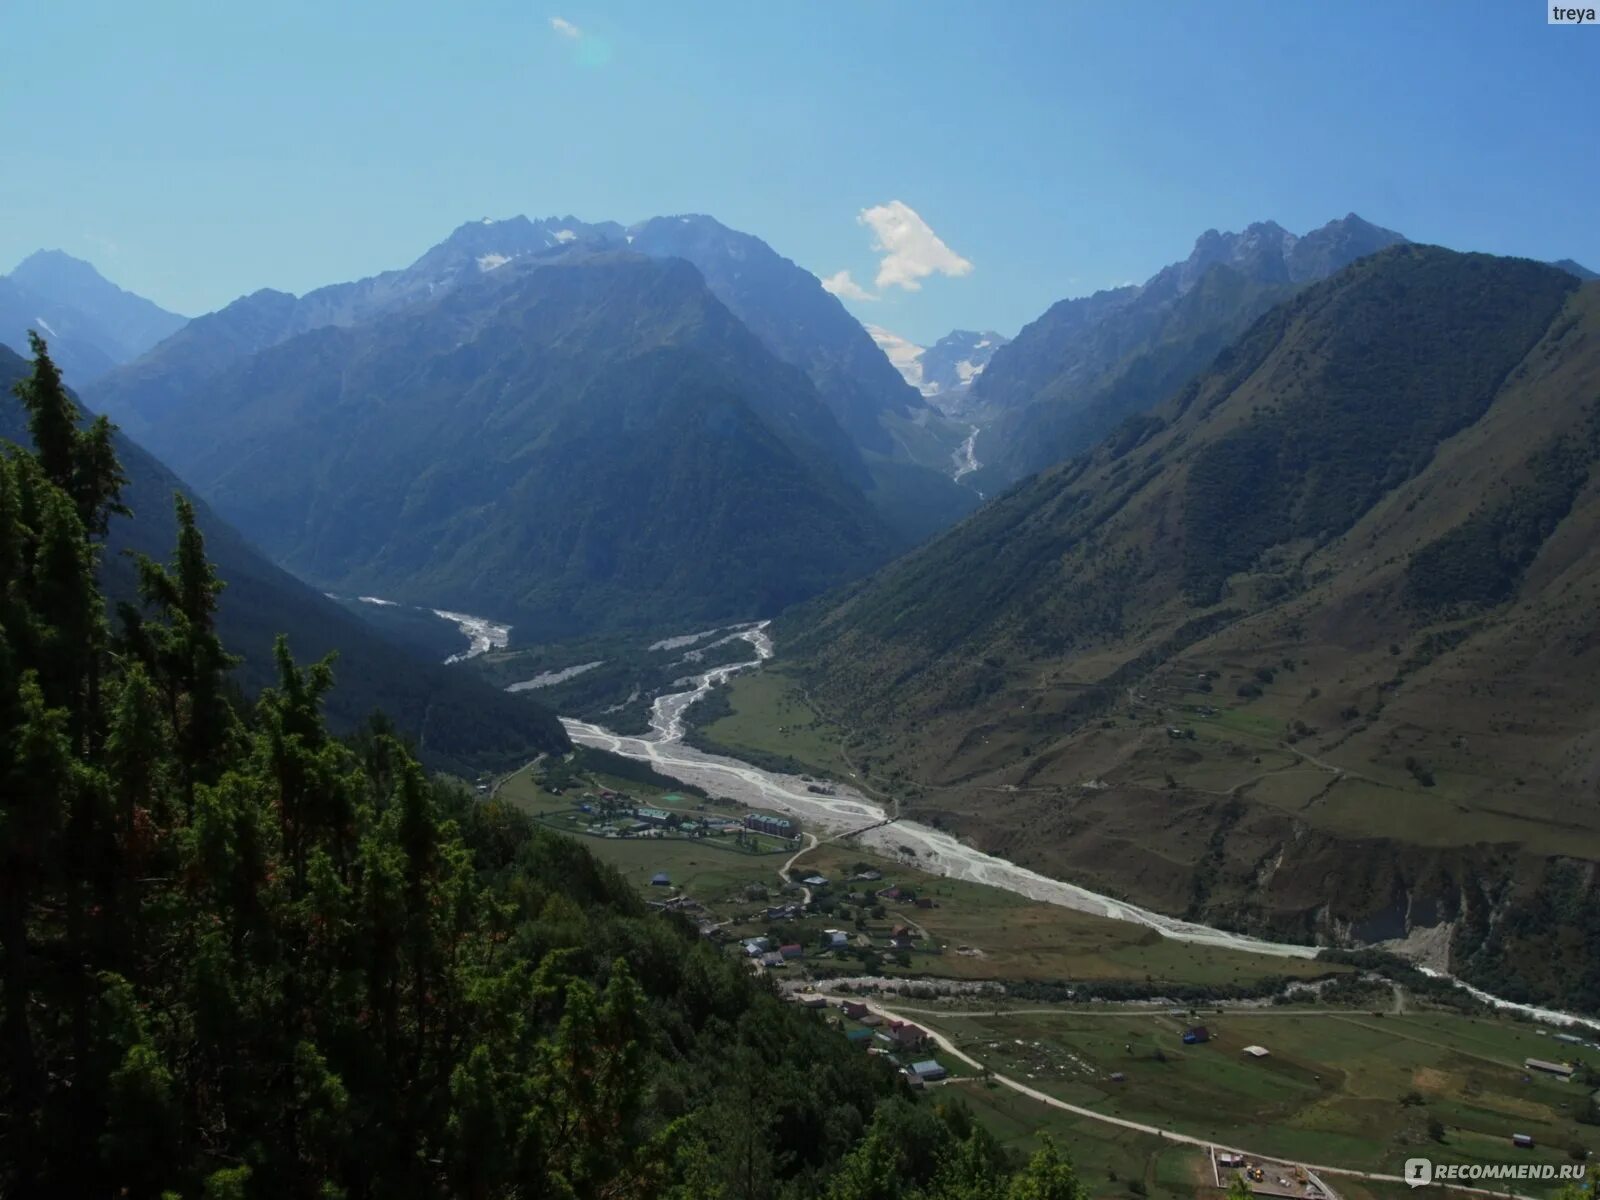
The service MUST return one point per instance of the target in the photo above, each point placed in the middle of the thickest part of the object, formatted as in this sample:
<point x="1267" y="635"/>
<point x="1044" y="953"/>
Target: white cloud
<point x="841" y="285"/>
<point x="565" y="28"/>
<point x="911" y="251"/>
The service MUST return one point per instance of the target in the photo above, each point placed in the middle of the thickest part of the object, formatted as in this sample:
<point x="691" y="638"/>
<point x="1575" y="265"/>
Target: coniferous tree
<point x="240" y="958"/>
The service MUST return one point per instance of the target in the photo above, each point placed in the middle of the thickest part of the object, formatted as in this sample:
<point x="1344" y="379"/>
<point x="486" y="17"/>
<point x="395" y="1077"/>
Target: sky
<point x="941" y="165"/>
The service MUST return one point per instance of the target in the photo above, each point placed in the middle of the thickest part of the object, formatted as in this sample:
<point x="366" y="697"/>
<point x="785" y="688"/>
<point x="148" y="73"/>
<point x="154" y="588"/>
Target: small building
<point x="889" y="893"/>
<point x="1257" y="1051"/>
<point x="912" y="1078"/>
<point x="813" y="1001"/>
<point x="756" y="945"/>
<point x="835" y="938"/>
<point x="870" y="874"/>
<point x="1560" y="1070"/>
<point x="1196" y="1036"/>
<point x="765" y="823"/>
<point x="859" y="1037"/>
<point x="772" y="959"/>
<point x="1118" y="1077"/>
<point x="924" y="902"/>
<point x="907" y="1034"/>
<point x="660" y="879"/>
<point x="651" y="816"/>
<point x="792" y="950"/>
<point x="815" y="881"/>
<point x="1522" y="1141"/>
<point x="929" y="1070"/>
<point x="872" y="1020"/>
<point x="1227" y="1158"/>
<point x="854" y="1009"/>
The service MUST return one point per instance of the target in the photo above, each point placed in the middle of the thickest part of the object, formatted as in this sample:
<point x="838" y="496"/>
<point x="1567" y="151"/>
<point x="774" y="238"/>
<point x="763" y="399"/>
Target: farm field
<point x="1349" y="1089"/>
<point x="1109" y="1161"/>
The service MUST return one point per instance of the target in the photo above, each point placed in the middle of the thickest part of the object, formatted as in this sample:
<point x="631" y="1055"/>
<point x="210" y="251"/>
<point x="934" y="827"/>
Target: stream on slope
<point x="931" y="849"/>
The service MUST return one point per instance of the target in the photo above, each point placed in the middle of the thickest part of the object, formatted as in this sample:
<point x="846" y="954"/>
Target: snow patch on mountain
<point x="904" y="354"/>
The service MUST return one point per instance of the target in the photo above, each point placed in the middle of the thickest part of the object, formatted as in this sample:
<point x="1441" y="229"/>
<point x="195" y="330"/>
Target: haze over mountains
<point x="92" y="324"/>
<point x="1072" y="375"/>
<point x="456" y="720"/>
<point x="943" y="372"/>
<point x="522" y="354"/>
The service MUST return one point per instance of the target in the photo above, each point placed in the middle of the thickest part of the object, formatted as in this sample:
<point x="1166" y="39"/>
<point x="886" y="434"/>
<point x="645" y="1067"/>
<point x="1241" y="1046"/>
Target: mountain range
<point x="572" y="426"/>
<point x="456" y="721"/>
<point x="568" y="444"/>
<point x="1072" y="375"/>
<point x="91" y="323"/>
<point x="1306" y="649"/>
<point x="1281" y="617"/>
<point x="945" y="371"/>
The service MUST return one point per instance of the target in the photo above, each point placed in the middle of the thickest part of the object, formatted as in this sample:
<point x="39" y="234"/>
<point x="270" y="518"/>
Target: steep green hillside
<point x="1310" y="648"/>
<point x="1084" y="366"/>
<point x="455" y="720"/>
<point x="245" y="960"/>
<point x="571" y="446"/>
<point x="907" y="444"/>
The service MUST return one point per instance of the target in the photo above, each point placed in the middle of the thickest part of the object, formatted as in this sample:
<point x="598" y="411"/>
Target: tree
<point x="244" y="958"/>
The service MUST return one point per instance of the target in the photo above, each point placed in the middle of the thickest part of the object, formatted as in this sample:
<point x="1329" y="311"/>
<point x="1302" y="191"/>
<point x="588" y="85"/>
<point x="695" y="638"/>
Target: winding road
<point x="948" y="1046"/>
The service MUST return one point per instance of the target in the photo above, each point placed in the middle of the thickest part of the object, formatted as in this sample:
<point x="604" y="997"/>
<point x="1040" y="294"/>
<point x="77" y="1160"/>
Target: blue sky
<point x="198" y="151"/>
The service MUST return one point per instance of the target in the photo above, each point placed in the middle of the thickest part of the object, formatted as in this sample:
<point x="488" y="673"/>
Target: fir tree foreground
<point x="243" y="958"/>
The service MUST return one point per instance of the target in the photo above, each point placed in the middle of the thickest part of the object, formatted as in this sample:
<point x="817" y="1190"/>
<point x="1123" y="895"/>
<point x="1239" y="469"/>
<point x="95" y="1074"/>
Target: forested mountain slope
<point x="907" y="444"/>
<point x="1310" y="648"/>
<point x="243" y="959"/>
<point x="177" y="371"/>
<point x="567" y="445"/>
<point x="454" y="718"/>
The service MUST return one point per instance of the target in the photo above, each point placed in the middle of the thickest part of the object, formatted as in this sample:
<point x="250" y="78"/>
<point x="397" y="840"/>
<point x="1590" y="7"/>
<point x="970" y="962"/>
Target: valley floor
<point x="1355" y="1087"/>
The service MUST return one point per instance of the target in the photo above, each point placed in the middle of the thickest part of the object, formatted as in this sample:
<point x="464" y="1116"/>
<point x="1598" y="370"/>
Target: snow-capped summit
<point x="941" y="372"/>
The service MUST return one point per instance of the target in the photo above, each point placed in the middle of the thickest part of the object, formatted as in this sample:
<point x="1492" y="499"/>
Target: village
<point x="937" y="977"/>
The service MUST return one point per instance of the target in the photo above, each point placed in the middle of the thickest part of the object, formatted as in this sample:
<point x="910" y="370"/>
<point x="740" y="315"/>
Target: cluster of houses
<point x="903" y="936"/>
<point x="878" y="1035"/>
<point x="762" y="950"/>
<point x="620" y="817"/>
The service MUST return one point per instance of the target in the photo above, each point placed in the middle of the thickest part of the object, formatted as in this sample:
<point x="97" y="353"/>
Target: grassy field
<point x="1347" y="1090"/>
<point x="712" y="869"/>
<point x="973" y="932"/>
<point x="987" y="933"/>
<point x="1378" y="796"/>
<point x="1109" y="1161"/>
<point x="771" y="717"/>
<point x="708" y="869"/>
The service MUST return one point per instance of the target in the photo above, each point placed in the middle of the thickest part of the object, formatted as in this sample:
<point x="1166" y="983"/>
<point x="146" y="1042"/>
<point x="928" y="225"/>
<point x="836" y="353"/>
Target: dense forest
<point x="243" y="958"/>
